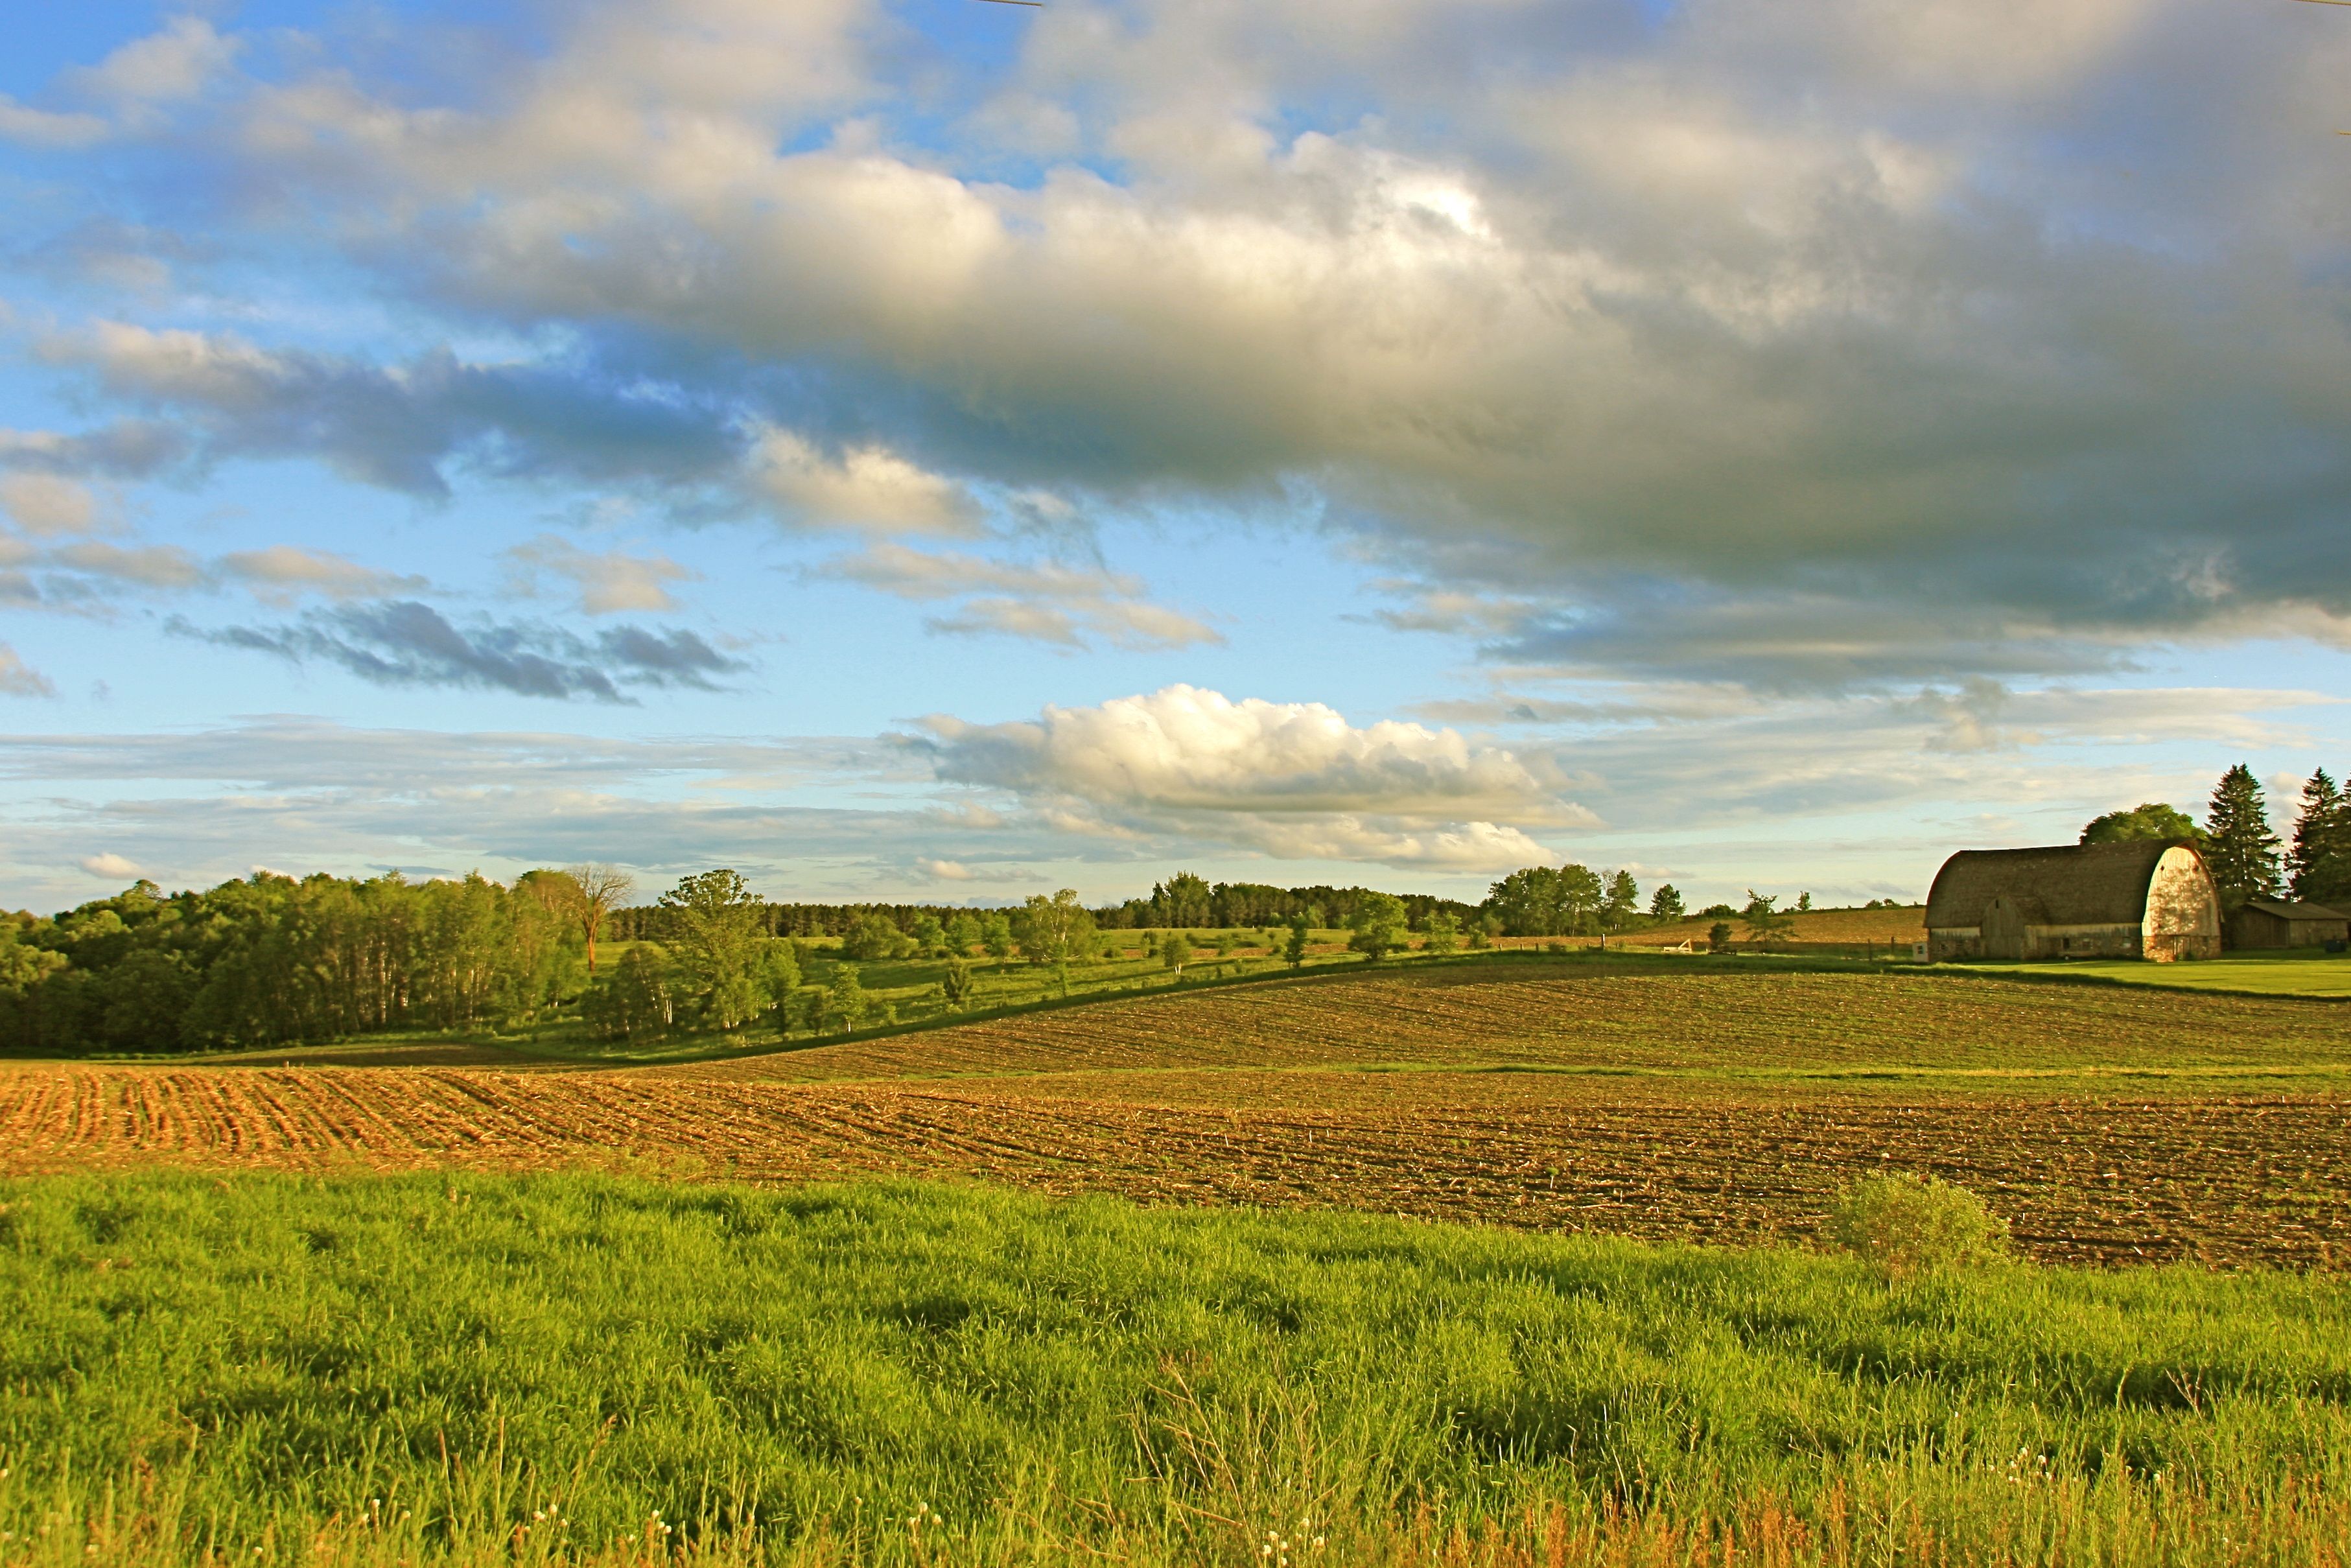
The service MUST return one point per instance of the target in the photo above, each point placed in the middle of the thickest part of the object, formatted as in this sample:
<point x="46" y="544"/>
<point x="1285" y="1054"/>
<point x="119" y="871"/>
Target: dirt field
<point x="2109" y="1126"/>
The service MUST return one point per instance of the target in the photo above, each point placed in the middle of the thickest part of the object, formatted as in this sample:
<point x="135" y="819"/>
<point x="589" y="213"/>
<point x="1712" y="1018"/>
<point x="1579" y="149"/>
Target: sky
<point x="944" y="451"/>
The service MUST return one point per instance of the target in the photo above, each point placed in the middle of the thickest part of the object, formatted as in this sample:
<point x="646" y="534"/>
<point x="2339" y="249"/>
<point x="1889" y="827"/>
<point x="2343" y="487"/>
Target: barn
<point x="2140" y="899"/>
<point x="2274" y="923"/>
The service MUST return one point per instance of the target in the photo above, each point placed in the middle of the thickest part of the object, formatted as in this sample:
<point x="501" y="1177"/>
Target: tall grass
<point x="269" y="1371"/>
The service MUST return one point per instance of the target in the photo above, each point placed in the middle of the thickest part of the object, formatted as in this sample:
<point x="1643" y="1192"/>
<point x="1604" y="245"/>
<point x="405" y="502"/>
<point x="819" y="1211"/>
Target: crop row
<point x="2228" y="1179"/>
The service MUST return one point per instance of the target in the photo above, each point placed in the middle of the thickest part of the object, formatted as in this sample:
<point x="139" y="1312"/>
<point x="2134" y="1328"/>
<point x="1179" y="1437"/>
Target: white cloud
<point x="282" y="573"/>
<point x="607" y="582"/>
<point x="166" y="67"/>
<point x="108" y="866"/>
<point x="1042" y="602"/>
<point x="143" y="566"/>
<point x="1642" y="316"/>
<point x="48" y="504"/>
<point x="19" y="679"/>
<point x="46" y="128"/>
<point x="943" y="871"/>
<point x="1294" y="781"/>
<point x="866" y="487"/>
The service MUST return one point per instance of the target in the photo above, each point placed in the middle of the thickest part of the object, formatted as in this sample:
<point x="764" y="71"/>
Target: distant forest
<point x="271" y="960"/>
<point x="1182" y="902"/>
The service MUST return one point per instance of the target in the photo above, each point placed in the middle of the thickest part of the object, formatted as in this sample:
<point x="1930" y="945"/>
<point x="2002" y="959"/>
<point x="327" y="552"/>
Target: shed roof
<point x="2285" y="909"/>
<point x="2072" y="884"/>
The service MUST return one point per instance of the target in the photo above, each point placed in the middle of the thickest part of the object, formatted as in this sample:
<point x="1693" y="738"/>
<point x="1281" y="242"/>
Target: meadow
<point x="471" y="1368"/>
<point x="1400" y="1256"/>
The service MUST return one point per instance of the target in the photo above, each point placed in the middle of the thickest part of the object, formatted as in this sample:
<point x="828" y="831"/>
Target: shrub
<point x="1908" y="1223"/>
<point x="1718" y="937"/>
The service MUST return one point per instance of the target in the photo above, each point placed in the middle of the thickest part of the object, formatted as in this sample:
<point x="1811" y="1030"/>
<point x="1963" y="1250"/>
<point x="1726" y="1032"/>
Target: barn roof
<point x="2285" y="909"/>
<point x="2060" y="884"/>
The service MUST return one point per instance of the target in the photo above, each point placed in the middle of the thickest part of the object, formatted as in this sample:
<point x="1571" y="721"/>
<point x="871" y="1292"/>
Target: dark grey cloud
<point x="402" y="427"/>
<point x="404" y="642"/>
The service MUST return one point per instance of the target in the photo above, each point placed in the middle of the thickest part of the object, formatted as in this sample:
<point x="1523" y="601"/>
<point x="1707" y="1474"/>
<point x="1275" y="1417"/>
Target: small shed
<point x="2276" y="922"/>
<point x="2144" y="898"/>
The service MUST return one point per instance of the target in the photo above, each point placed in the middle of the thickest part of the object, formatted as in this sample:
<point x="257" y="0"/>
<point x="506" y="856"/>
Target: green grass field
<point x="2298" y="972"/>
<point x="403" y="1370"/>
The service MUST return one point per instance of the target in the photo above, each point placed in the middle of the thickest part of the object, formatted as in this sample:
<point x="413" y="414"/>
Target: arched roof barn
<point x="2141" y="898"/>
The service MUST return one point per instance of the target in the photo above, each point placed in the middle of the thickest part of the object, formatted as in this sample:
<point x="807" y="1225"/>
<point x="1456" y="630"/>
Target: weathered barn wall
<point x="2183" y="909"/>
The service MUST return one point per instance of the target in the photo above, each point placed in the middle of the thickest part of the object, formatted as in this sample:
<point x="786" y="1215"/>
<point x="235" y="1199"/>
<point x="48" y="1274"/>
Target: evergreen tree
<point x="1665" y="904"/>
<point x="1295" y="950"/>
<point x="956" y="987"/>
<point x="2321" y="860"/>
<point x="2239" y="847"/>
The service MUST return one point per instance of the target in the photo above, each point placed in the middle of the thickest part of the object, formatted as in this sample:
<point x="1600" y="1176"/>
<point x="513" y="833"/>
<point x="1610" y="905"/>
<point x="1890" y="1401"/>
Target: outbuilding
<point x="2143" y="898"/>
<point x="2276" y="922"/>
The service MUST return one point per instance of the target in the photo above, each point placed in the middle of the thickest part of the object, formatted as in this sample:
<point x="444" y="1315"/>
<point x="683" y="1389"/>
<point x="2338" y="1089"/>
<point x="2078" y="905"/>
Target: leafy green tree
<point x="1054" y="930"/>
<point x="1718" y="937"/>
<point x="2320" y="858"/>
<point x="719" y="942"/>
<point x="996" y="936"/>
<point x="1295" y="950"/>
<point x="1665" y="904"/>
<point x="2240" y="849"/>
<point x="845" y="997"/>
<point x="1183" y="900"/>
<point x="930" y="937"/>
<point x="1379" y="926"/>
<point x="1621" y="904"/>
<point x="963" y="934"/>
<point x="2150" y="820"/>
<point x="1444" y="932"/>
<point x="1538" y="901"/>
<point x="1804" y="903"/>
<point x="873" y="937"/>
<point x="1765" y="921"/>
<point x="633" y="1002"/>
<point x="1174" y="952"/>
<point x="955" y="985"/>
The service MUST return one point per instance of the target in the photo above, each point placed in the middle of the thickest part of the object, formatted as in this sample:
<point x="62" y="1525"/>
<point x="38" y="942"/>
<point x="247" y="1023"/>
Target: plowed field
<point x="1722" y="1107"/>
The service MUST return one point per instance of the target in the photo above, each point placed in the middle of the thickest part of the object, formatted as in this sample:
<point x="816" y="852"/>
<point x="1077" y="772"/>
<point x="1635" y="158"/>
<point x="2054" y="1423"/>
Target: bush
<point x="1718" y="937"/>
<point x="1908" y="1223"/>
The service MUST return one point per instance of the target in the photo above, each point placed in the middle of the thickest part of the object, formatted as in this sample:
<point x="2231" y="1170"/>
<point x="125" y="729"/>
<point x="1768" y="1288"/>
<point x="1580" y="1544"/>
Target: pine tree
<point x="2239" y="849"/>
<point x="2321" y="860"/>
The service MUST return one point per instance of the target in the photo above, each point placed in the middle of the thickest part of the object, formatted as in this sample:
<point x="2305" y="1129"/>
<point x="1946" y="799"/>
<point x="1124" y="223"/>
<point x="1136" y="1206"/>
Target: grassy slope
<point x="469" y="1363"/>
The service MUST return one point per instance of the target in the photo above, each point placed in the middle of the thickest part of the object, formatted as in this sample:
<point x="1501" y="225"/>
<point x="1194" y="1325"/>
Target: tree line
<point x="2245" y="855"/>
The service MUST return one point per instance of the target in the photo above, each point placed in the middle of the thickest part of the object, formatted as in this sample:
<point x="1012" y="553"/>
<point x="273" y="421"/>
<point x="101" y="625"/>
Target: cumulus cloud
<point x="865" y="486"/>
<point x="108" y="866"/>
<point x="1042" y="602"/>
<point x="1291" y="779"/>
<point x="606" y="581"/>
<point x="1846" y="306"/>
<point x="404" y="642"/>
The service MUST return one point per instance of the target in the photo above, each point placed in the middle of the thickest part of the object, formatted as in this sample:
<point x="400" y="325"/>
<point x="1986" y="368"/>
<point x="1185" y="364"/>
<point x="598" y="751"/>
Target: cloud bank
<point x="1291" y="779"/>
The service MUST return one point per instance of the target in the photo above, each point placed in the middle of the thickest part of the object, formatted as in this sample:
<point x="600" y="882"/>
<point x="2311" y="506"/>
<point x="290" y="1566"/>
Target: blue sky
<point x="949" y="450"/>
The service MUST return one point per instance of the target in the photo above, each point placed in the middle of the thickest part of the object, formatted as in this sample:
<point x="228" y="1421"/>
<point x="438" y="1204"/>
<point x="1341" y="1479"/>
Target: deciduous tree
<point x="598" y="890"/>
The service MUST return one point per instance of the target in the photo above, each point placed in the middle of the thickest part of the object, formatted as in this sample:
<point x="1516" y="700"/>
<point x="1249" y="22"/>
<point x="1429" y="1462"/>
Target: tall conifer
<point x="2240" y="848"/>
<point x="2320" y="859"/>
